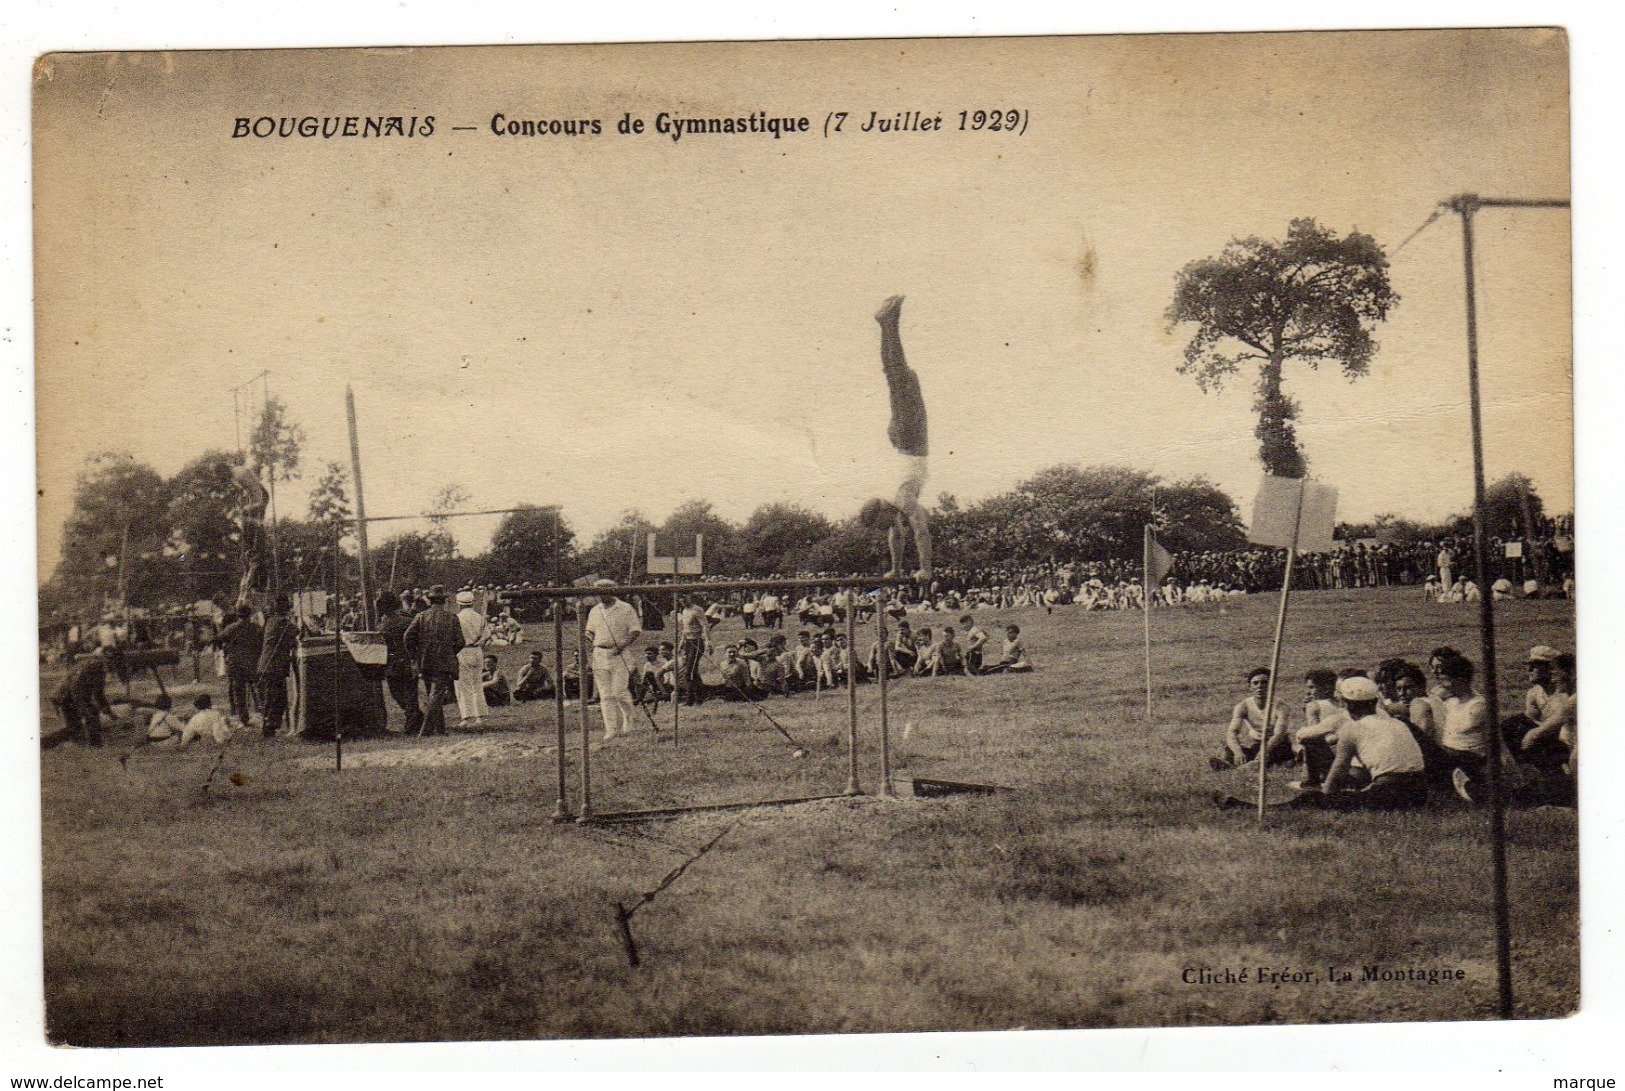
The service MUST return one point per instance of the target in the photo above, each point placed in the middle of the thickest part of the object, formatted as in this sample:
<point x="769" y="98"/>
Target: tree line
<point x="1314" y="297"/>
<point x="162" y="541"/>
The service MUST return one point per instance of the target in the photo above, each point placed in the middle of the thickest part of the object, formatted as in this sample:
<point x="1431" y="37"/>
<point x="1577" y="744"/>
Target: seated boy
<point x="164" y="723"/>
<point x="1245" y="736"/>
<point x="1014" y="658"/>
<point x="924" y="653"/>
<point x="736" y="682"/>
<point x="1317" y="738"/>
<point x="947" y="657"/>
<point x="534" y="682"/>
<point x="975" y="641"/>
<point x="495" y="684"/>
<point x="1382" y="745"/>
<point x="206" y="722"/>
<point x="803" y="662"/>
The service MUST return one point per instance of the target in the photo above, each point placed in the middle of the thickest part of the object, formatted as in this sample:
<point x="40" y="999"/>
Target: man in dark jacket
<point x="241" y="642"/>
<point x="82" y="701"/>
<point x="433" y="640"/>
<point x="401" y="674"/>
<point x="276" y="656"/>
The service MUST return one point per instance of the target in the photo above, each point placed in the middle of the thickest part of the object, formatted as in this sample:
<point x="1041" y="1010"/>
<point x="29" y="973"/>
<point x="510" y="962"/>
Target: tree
<point x="777" y="537"/>
<point x="722" y="555"/>
<point x="330" y="500"/>
<point x="116" y="533"/>
<point x="1314" y="297"/>
<point x="442" y="543"/>
<point x="1199" y="516"/>
<point x="850" y="549"/>
<point x="276" y="442"/>
<point x="1513" y="509"/>
<point x="533" y="543"/>
<point x="406" y="560"/>
<point x="616" y="550"/>
<point x="204" y="535"/>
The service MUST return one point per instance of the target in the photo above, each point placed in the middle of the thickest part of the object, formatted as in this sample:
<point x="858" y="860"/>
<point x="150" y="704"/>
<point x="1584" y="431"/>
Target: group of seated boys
<point x="1387" y="740"/>
<point x="816" y="661"/>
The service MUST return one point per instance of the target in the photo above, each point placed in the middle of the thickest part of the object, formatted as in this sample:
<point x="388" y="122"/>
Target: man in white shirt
<point x="471" y="706"/>
<point x="693" y="644"/>
<point x="1385" y="749"/>
<point x="613" y="626"/>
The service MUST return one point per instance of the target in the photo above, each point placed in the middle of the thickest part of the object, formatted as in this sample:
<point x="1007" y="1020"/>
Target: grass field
<point x="438" y="902"/>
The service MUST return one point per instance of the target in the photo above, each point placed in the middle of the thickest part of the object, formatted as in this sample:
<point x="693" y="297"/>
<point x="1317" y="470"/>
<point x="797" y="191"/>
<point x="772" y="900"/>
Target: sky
<point x="620" y="322"/>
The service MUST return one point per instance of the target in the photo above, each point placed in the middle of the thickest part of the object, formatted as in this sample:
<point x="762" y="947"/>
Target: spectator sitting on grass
<point x="1014" y="660"/>
<point x="1464" y="733"/>
<point x="1245" y="735"/>
<point x="947" y="656"/>
<point x="735" y="675"/>
<point x="206" y="721"/>
<point x="923" y="651"/>
<point x="164" y="723"/>
<point x="495" y="684"/>
<point x="904" y="655"/>
<point x="533" y="683"/>
<point x="1319" y="697"/>
<point x="1383" y="747"/>
<point x="975" y="641"/>
<point x="803" y="665"/>
<point x="1556" y="736"/>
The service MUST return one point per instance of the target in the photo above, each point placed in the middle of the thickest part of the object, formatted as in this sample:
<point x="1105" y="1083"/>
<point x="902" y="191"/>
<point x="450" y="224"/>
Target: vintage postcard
<point x="640" y="541"/>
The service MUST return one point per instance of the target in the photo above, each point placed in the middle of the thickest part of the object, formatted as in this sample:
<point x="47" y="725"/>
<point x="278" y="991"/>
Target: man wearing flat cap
<point x="1386" y="750"/>
<point x="434" y="640"/>
<point x="1546" y="752"/>
<point x="613" y="627"/>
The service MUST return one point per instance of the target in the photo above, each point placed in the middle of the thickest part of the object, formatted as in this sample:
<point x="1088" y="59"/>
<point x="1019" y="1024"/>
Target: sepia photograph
<point x="842" y="537"/>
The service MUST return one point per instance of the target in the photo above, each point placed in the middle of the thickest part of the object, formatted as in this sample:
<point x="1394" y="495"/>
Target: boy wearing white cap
<point x="613" y="626"/>
<point x="1383" y="745"/>
<point x="471" y="704"/>
<point x="1515" y="728"/>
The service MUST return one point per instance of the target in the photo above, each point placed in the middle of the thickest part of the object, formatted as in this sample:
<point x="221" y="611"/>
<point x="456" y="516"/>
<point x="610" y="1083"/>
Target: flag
<point x="1158" y="561"/>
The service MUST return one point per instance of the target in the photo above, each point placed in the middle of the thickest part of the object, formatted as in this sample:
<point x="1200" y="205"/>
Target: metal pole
<point x="583" y="675"/>
<point x="1145" y="582"/>
<point x="1466" y="205"/>
<point x="360" y="513"/>
<point x="852" y="788"/>
<point x="677" y="659"/>
<point x="561" y="810"/>
<point x="1275" y="653"/>
<point x="333" y="611"/>
<point x="883" y="665"/>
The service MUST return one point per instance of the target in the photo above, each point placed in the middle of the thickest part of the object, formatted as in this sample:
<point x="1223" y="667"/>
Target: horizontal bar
<point x="440" y="515"/>
<point x="719" y="585"/>
<point x="673" y="812"/>
<point x="1513" y="202"/>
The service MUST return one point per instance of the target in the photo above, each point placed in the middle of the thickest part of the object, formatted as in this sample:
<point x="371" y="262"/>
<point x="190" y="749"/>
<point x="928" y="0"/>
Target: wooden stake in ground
<point x="1290" y="513"/>
<point x="1157" y="562"/>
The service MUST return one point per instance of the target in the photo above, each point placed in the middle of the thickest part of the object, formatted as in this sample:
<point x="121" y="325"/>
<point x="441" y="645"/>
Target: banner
<point x="1287" y="504"/>
<point x="1158" y="561"/>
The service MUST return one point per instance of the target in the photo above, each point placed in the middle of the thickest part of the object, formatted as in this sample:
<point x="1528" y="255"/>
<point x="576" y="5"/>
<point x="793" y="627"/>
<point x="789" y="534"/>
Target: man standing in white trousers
<point x="613" y="627"/>
<point x="470" y="685"/>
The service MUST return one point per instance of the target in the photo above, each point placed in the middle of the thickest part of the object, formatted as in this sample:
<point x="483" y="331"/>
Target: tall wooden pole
<point x="561" y="811"/>
<point x="1145" y="597"/>
<point x="584" y="658"/>
<point x="360" y="513"/>
<point x="1275" y="653"/>
<point x="883" y="666"/>
<point x="852" y="788"/>
<point x="1466" y="205"/>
